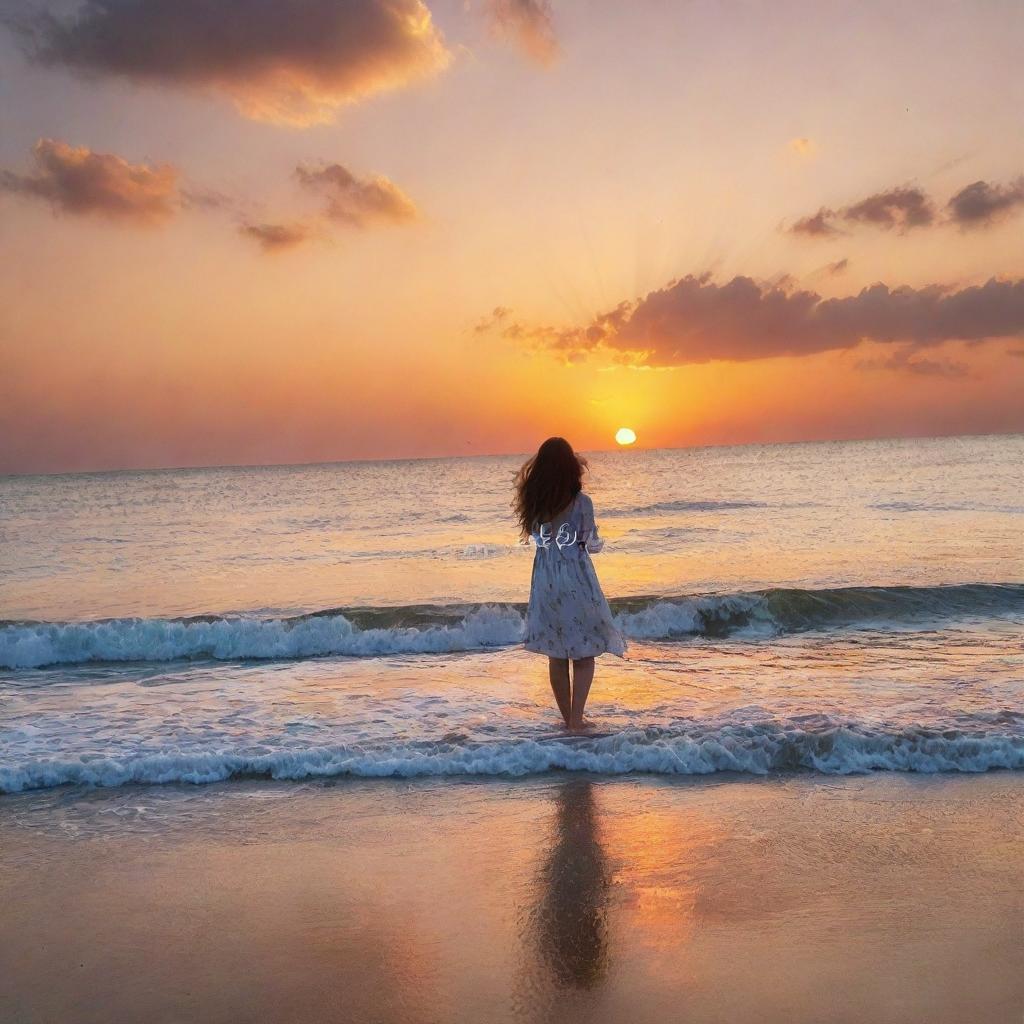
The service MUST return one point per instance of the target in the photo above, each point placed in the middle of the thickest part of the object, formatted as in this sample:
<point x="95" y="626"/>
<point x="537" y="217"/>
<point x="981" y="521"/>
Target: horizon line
<point x="496" y="455"/>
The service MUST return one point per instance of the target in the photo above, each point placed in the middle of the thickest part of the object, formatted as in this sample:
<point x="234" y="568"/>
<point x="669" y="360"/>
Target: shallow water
<point x="833" y="607"/>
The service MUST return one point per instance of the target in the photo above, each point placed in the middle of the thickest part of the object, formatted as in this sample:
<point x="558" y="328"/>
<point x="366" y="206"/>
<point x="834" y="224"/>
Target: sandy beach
<point x="884" y="898"/>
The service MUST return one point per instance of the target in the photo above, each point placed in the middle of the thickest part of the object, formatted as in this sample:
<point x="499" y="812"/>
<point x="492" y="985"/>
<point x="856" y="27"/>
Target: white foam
<point x="32" y="645"/>
<point x="664" y="620"/>
<point x="699" y="750"/>
<point x="38" y="644"/>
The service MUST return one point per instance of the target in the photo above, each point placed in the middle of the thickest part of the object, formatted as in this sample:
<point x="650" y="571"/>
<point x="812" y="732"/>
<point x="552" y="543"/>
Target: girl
<point x="568" y="618"/>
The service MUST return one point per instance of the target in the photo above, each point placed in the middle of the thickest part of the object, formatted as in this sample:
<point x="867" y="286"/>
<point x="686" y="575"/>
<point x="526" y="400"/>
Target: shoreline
<point x="555" y="773"/>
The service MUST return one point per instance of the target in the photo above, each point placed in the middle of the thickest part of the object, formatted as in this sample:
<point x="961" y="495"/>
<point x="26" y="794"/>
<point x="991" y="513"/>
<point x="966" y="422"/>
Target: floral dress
<point x="568" y="616"/>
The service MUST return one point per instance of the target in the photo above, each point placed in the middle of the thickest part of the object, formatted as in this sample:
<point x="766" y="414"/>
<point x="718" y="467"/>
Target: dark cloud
<point x="357" y="202"/>
<point x="838" y="267"/>
<point x="976" y="205"/>
<point x="277" y="237"/>
<point x="979" y="204"/>
<point x="695" y="320"/>
<point x="292" y="61"/>
<point x="818" y="225"/>
<point x="75" y="180"/>
<point x="895" y="208"/>
<point x="901" y="208"/>
<point x="529" y="23"/>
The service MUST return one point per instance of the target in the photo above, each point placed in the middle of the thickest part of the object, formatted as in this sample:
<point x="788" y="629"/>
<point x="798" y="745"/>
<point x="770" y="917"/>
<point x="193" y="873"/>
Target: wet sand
<point x="878" y="899"/>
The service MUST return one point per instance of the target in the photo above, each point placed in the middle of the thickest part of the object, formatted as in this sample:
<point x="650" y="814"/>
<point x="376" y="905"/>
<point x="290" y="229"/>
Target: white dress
<point x="568" y="616"/>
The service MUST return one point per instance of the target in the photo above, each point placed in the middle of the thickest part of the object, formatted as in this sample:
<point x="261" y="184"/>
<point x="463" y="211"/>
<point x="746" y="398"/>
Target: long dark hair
<point x="547" y="483"/>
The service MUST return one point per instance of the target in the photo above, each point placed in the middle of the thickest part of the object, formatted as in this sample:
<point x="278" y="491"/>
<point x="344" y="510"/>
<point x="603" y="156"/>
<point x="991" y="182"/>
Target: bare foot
<point x="583" y="726"/>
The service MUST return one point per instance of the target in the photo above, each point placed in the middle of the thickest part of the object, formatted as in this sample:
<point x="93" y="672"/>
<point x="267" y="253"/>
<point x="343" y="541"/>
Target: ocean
<point x="832" y="608"/>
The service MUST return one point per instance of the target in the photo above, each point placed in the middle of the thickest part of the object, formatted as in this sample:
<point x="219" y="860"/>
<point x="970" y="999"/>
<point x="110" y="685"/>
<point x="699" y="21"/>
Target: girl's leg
<point x="582" y="677"/>
<point x="558" y="672"/>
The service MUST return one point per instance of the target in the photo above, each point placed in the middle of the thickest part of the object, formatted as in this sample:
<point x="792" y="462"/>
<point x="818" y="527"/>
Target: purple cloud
<point x="357" y="202"/>
<point x="293" y="61"/>
<point x="696" y="320"/>
<point x="980" y="204"/>
<point x="76" y="180"/>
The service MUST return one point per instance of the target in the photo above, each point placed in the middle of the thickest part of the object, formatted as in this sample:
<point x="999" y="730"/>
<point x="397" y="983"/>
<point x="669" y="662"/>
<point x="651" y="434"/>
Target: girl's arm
<point x="589" y="536"/>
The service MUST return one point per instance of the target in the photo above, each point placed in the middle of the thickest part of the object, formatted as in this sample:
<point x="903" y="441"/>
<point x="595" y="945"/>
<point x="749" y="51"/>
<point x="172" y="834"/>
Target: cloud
<point x="530" y="24"/>
<point x="76" y="180"/>
<point x="803" y="147"/>
<point x="495" y="320"/>
<point x="979" y="204"/>
<point x="818" y="225"/>
<point x="357" y="202"/>
<point x="289" y="61"/>
<point x="902" y="208"/>
<point x="273" y="238"/>
<point x="899" y="208"/>
<point x="349" y="201"/>
<point x="904" y="361"/>
<point x="573" y="343"/>
<point x="838" y="267"/>
<point x="199" y="198"/>
<point x="696" y="320"/>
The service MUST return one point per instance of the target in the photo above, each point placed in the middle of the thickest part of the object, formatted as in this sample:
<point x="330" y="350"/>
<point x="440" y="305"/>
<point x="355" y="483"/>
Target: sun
<point x="625" y="436"/>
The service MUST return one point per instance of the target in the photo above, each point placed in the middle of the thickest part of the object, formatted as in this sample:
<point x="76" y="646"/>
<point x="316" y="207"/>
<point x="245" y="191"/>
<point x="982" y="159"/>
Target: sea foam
<point x="432" y="629"/>
<point x="36" y="644"/>
<point x="694" y="749"/>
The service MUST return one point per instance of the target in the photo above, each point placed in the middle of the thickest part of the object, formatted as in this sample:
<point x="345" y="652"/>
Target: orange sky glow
<point x="405" y="229"/>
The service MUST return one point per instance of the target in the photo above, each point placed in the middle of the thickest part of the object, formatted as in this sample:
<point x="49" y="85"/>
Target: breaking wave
<point x="436" y="629"/>
<point x="824" y="746"/>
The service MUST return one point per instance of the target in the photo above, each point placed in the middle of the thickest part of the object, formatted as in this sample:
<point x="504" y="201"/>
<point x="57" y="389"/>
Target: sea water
<point x="832" y="607"/>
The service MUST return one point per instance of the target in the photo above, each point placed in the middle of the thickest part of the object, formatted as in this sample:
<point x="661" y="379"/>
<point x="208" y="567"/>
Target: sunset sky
<point x="264" y="231"/>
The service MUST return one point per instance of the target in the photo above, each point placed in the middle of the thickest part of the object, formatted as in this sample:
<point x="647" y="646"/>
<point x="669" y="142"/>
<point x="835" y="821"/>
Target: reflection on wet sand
<point x="572" y="915"/>
<point x="565" y="931"/>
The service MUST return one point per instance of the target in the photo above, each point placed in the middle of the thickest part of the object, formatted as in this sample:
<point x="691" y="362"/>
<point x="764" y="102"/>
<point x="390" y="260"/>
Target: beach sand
<point x="797" y="898"/>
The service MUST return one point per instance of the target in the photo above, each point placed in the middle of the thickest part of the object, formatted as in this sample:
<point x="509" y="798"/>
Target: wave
<point x="826" y="747"/>
<point x="439" y="629"/>
<point x="913" y="506"/>
<point x="237" y="638"/>
<point x="790" y="610"/>
<point x="680" y="506"/>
